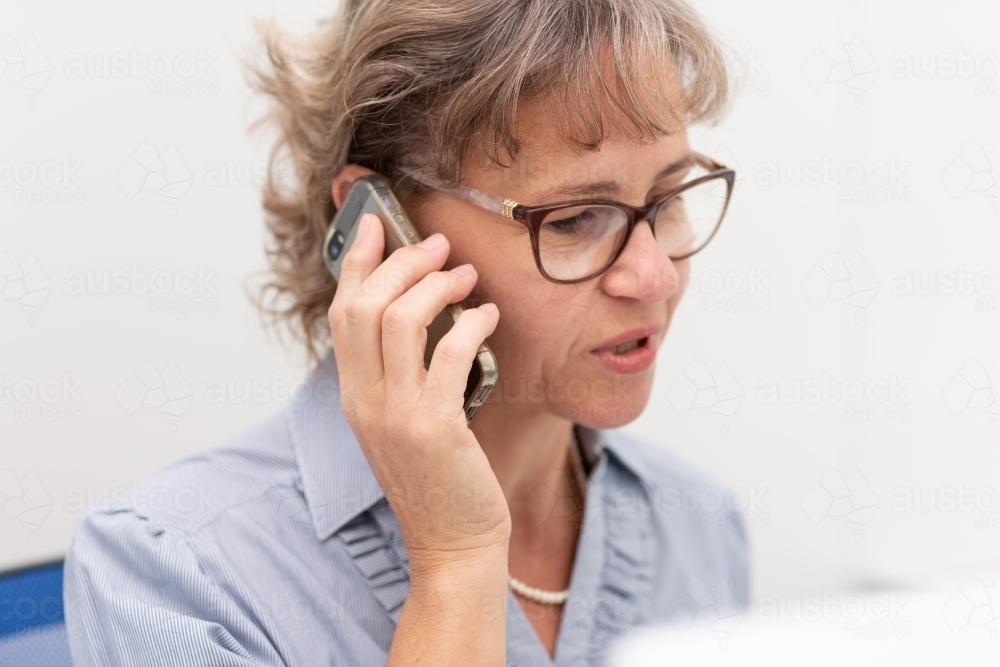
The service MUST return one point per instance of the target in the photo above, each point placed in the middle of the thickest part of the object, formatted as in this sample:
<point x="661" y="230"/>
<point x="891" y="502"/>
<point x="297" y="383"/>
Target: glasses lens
<point x="578" y="241"/>
<point x="686" y="223"/>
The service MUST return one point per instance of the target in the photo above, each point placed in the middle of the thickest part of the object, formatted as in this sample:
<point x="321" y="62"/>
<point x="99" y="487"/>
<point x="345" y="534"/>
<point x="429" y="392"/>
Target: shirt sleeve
<point x="135" y="594"/>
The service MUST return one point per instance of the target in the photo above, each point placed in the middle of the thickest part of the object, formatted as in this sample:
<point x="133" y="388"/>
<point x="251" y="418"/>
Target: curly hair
<point x="385" y="81"/>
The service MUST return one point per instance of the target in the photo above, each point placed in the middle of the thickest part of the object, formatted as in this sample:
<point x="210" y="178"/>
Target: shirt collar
<point x="338" y="483"/>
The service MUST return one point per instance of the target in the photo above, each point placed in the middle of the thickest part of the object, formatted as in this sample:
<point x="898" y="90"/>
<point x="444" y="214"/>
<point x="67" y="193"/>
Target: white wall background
<point x="861" y="252"/>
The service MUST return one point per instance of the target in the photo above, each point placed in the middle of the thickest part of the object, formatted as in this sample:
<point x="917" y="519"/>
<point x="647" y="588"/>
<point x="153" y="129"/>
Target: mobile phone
<point x="373" y="194"/>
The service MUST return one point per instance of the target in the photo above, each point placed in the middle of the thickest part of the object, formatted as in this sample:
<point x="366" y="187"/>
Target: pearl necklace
<point x="537" y="594"/>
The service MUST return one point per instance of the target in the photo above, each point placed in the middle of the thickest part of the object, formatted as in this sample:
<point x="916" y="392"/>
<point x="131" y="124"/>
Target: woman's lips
<point x="635" y="360"/>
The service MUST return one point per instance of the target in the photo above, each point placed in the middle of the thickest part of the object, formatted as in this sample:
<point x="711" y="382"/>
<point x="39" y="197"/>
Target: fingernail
<point x="364" y="227"/>
<point x="432" y="242"/>
<point x="465" y="270"/>
<point x="489" y="308"/>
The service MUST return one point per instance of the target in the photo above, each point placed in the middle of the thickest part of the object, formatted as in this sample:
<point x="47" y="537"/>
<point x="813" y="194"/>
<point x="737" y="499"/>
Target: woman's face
<point x="550" y="337"/>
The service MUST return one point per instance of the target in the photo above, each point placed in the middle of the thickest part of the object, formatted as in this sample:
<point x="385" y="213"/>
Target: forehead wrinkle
<point x="583" y="189"/>
<point x="602" y="187"/>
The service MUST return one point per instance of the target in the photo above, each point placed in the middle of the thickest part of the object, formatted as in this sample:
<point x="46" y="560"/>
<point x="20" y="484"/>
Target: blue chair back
<point x="32" y="625"/>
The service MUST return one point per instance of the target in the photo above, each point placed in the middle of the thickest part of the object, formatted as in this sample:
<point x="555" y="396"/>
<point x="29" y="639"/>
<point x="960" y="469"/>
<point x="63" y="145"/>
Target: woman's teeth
<point x="625" y="347"/>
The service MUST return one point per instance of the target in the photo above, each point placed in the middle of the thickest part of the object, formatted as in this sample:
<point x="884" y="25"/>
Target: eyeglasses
<point x="579" y="240"/>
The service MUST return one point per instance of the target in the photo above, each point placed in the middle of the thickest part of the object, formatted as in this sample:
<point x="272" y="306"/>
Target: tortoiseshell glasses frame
<point x="533" y="217"/>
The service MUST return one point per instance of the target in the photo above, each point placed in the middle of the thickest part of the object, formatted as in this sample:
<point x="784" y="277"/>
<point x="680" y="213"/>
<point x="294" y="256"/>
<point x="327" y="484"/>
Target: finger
<point x="444" y="389"/>
<point x="390" y="280"/>
<point x="405" y="322"/>
<point x="361" y="259"/>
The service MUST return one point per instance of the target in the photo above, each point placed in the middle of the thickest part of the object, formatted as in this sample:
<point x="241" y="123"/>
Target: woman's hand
<point x="411" y="426"/>
<point x="410" y="421"/>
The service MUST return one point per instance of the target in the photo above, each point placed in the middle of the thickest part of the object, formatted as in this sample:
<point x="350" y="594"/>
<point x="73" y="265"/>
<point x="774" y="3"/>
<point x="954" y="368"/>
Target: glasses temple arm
<point x="471" y="195"/>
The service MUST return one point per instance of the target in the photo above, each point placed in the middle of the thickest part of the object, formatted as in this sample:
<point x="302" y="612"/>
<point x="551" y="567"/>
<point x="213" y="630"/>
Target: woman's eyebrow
<point x="603" y="187"/>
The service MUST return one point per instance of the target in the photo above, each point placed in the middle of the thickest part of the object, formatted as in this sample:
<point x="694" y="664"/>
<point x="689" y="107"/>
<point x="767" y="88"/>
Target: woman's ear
<point x="342" y="182"/>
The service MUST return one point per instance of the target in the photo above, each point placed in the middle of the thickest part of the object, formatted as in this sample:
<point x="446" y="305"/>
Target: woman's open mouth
<point x="634" y="354"/>
<point x="626" y="347"/>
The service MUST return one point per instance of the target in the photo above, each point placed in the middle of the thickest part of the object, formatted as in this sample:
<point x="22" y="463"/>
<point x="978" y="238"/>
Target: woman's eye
<point x="674" y="204"/>
<point x="672" y="212"/>
<point x="566" y="226"/>
<point x="572" y="224"/>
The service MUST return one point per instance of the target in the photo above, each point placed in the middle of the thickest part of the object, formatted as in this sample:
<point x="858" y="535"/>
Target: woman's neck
<point x="528" y="451"/>
<point x="526" y="448"/>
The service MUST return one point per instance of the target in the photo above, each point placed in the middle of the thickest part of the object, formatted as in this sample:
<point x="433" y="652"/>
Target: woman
<point x="368" y="523"/>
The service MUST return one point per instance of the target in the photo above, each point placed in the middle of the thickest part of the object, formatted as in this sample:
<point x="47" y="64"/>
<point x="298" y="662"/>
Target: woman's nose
<point x="643" y="271"/>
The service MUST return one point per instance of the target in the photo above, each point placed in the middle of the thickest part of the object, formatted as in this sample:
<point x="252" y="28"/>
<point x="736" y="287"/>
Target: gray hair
<point x="384" y="81"/>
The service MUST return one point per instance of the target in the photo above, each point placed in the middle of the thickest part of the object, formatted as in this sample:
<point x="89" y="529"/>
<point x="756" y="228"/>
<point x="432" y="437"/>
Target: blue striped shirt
<point x="279" y="548"/>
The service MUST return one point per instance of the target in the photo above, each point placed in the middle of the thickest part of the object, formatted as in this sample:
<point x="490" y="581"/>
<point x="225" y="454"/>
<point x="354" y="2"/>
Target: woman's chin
<point x="625" y="400"/>
<point x="605" y="417"/>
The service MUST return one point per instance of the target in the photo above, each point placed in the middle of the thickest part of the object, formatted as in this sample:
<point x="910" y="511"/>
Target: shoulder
<point x="135" y="583"/>
<point x="660" y="469"/>
<point x="195" y="491"/>
<point x="699" y="520"/>
<point x="677" y="490"/>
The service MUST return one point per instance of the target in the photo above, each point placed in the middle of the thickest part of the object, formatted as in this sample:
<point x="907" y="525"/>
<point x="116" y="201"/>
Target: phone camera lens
<point x="336" y="245"/>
